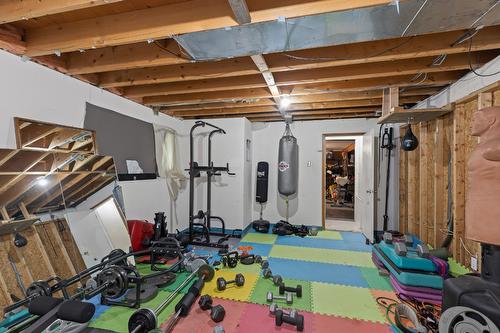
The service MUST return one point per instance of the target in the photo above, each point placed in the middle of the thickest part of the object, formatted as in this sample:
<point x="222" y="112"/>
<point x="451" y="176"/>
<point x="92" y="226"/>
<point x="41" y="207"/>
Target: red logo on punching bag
<point x="283" y="166"/>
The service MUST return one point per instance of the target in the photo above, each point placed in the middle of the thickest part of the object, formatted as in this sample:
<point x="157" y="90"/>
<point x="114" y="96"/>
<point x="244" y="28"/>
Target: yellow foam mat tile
<point x="232" y="292"/>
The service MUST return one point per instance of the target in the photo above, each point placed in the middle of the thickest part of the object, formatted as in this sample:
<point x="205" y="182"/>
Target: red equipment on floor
<point x="141" y="233"/>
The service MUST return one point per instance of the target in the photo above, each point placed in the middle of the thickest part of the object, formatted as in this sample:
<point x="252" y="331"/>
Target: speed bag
<point x="288" y="165"/>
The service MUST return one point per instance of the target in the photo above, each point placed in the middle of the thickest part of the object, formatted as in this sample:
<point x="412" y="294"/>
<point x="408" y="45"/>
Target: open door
<point x="367" y="192"/>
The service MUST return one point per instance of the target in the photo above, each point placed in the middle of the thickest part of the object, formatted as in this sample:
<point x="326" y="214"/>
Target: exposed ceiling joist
<point x="15" y="10"/>
<point x="174" y="73"/>
<point x="147" y="55"/>
<point x="430" y="45"/>
<point x="377" y="102"/>
<point x="168" y="20"/>
<point x="153" y="96"/>
<point x="240" y="10"/>
<point x="331" y="74"/>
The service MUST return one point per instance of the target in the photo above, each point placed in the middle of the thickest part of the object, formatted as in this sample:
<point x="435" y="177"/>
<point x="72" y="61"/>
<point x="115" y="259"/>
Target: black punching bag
<point x="410" y="141"/>
<point x="262" y="179"/>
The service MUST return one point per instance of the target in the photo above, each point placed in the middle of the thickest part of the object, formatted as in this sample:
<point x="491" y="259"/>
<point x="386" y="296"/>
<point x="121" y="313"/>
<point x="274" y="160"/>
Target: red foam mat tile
<point x="257" y="319"/>
<point x="198" y="321"/>
<point x="324" y="324"/>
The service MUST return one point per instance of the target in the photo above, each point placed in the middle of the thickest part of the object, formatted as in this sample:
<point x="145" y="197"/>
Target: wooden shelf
<point x="400" y="115"/>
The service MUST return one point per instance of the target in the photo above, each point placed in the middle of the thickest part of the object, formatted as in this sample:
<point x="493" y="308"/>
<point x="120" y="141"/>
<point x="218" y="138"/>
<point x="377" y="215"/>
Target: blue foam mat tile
<point x="324" y="243"/>
<point x="356" y="237"/>
<point x="319" y="272"/>
<point x="99" y="308"/>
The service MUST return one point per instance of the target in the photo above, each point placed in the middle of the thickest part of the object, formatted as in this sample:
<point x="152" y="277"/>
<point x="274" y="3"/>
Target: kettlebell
<point x="410" y="141"/>
<point x="20" y="240"/>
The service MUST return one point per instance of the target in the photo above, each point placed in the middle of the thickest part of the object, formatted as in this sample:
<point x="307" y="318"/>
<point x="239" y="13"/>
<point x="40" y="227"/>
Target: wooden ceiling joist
<point x="15" y="10"/>
<point x="227" y="83"/>
<point x="148" y="55"/>
<point x="136" y="55"/>
<point x="305" y="89"/>
<point x="174" y="73"/>
<point x="383" y="69"/>
<point x="168" y="20"/>
<point x="377" y="102"/>
<point x="333" y="74"/>
<point x="430" y="45"/>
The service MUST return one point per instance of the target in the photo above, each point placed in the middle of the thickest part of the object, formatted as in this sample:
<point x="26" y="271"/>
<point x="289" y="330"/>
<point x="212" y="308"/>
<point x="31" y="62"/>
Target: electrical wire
<point x="428" y="314"/>
<point x="469" y="57"/>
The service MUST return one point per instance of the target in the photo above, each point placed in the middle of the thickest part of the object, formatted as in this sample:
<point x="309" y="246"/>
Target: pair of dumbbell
<point x="239" y="280"/>
<point x="217" y="312"/>
<point x="297" y="290"/>
<point x="288" y="297"/>
<point x="292" y="317"/>
<point x="268" y="274"/>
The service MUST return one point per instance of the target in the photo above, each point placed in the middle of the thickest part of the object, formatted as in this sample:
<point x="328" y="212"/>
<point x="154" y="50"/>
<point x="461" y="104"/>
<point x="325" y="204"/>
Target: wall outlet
<point x="473" y="263"/>
<point x="309" y="164"/>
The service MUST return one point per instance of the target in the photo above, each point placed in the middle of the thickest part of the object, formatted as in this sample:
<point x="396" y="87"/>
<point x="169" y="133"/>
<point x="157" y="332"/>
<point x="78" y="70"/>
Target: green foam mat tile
<point x="180" y="278"/>
<point x="116" y="318"/>
<point x="456" y="269"/>
<point x="328" y="256"/>
<point x="374" y="280"/>
<point x="260" y="290"/>
<point x="328" y="234"/>
<point x="252" y="237"/>
<point x="345" y="301"/>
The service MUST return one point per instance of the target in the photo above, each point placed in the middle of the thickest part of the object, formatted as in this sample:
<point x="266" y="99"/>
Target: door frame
<point x="341" y="136"/>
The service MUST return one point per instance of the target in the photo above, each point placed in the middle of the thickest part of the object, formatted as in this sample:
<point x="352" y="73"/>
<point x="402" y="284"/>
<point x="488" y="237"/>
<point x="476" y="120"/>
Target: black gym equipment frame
<point x="195" y="171"/>
<point x="108" y="261"/>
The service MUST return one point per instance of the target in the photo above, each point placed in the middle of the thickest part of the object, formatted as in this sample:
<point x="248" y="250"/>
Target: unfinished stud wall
<point x="423" y="182"/>
<point x="51" y="250"/>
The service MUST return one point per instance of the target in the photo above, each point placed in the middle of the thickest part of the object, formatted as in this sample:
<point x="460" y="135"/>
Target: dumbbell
<point x="219" y="329"/>
<point x="277" y="279"/>
<point x="239" y="280"/>
<point x="297" y="290"/>
<point x="293" y="318"/>
<point x="288" y="297"/>
<point x="217" y="312"/>
<point x="263" y="263"/>
<point x="389" y="239"/>
<point x="422" y="250"/>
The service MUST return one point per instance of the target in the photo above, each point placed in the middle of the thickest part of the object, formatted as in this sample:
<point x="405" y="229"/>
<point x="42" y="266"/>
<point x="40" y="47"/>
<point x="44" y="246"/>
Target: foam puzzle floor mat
<point x="340" y="285"/>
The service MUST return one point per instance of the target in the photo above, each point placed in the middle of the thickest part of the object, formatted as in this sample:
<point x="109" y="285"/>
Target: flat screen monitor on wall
<point x="130" y="141"/>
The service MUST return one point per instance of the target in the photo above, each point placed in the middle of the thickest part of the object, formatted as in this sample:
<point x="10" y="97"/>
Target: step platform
<point x="410" y="261"/>
<point x="422" y="294"/>
<point x="407" y="276"/>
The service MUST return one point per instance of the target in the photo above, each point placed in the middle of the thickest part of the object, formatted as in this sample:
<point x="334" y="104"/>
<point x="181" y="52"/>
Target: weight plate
<point x="163" y="280"/>
<point x="148" y="292"/>
<point x="461" y="319"/>
<point x="145" y="318"/>
<point x="117" y="280"/>
<point x="116" y="253"/>
<point x="91" y="284"/>
<point x="207" y="272"/>
<point x="39" y="288"/>
<point x="194" y="264"/>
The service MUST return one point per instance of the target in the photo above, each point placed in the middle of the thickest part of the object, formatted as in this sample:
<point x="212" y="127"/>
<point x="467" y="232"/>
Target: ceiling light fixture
<point x="42" y="181"/>
<point x="284" y="102"/>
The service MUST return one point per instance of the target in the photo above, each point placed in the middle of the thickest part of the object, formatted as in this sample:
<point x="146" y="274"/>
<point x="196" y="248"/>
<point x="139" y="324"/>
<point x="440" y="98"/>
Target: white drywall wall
<point x="305" y="207"/>
<point x="229" y="193"/>
<point x="32" y="91"/>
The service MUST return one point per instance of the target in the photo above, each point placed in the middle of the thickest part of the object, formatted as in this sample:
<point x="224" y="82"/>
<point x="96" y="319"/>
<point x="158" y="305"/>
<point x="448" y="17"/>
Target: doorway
<point x="341" y="156"/>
